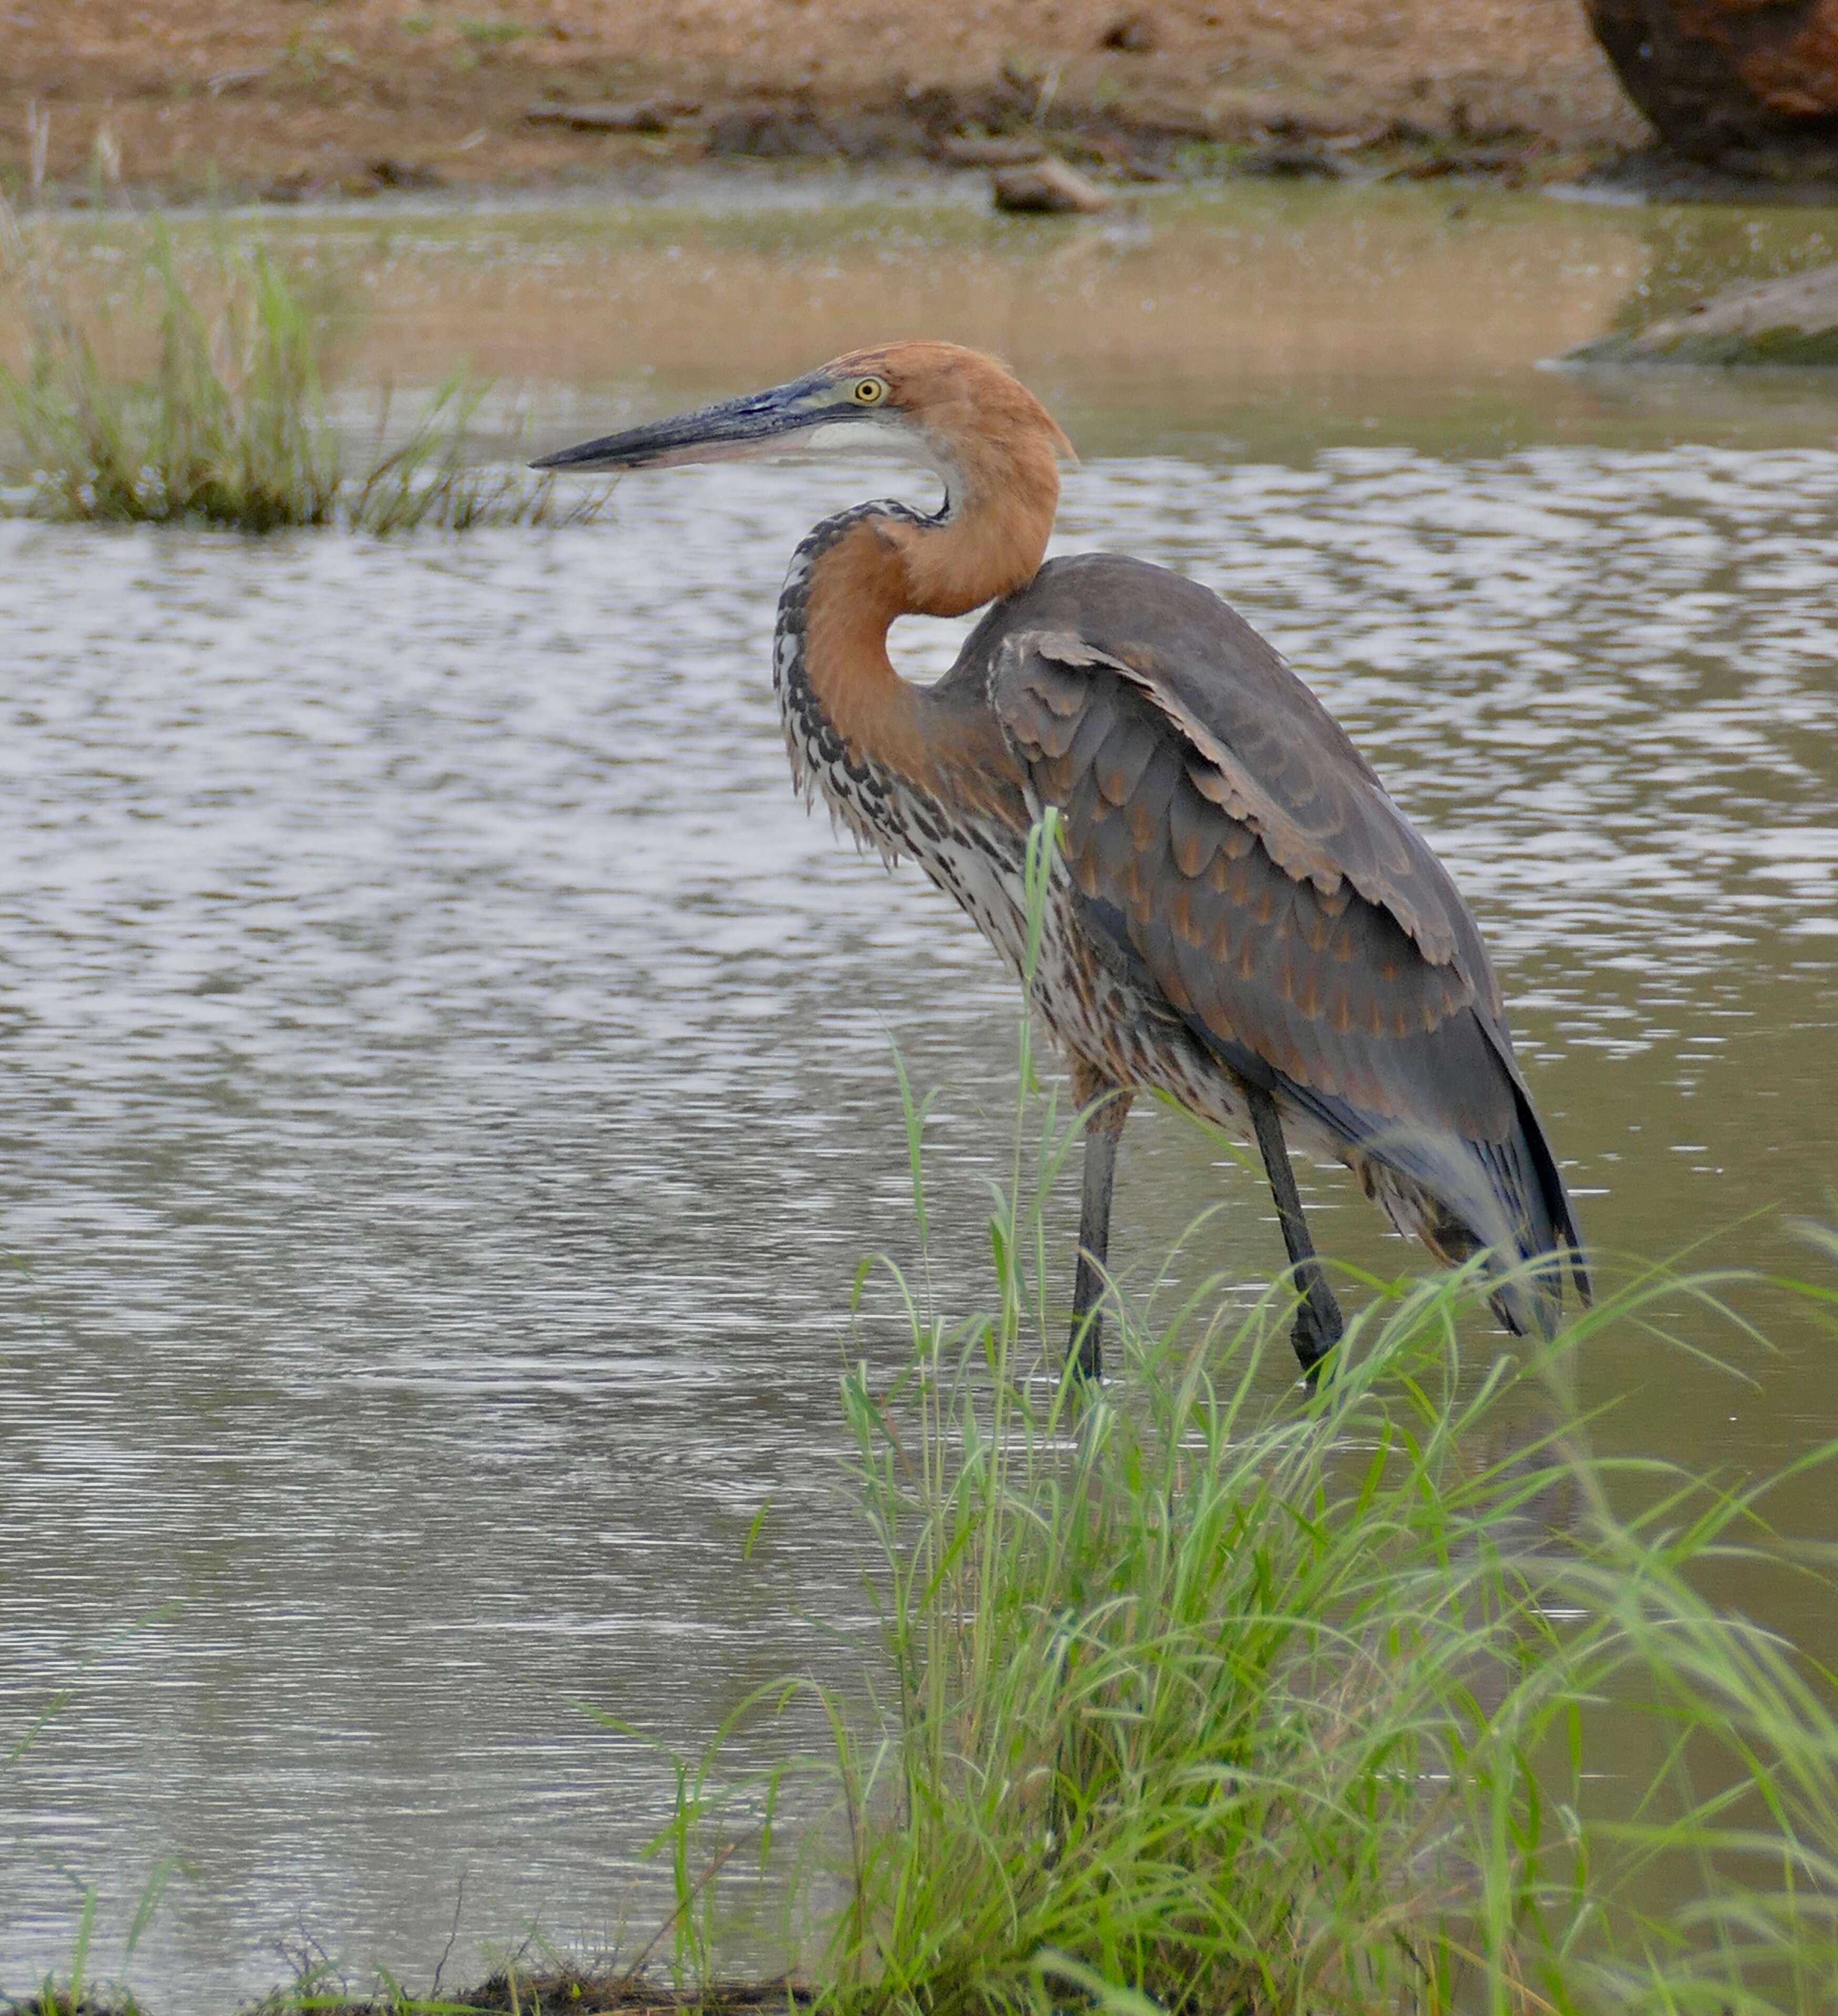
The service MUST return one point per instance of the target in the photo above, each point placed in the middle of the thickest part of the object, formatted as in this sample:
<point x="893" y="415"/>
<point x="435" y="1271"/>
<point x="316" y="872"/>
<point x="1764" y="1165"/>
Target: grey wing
<point x="1226" y="838"/>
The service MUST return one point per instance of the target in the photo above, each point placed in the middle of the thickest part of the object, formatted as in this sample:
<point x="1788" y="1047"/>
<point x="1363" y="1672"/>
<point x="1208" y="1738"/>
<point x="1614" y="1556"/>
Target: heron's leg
<point x="1103" y="1129"/>
<point x="1317" y="1321"/>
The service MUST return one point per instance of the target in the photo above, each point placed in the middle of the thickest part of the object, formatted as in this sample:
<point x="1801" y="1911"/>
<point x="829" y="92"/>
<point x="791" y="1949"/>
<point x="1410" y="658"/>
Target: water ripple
<point x="447" y="1095"/>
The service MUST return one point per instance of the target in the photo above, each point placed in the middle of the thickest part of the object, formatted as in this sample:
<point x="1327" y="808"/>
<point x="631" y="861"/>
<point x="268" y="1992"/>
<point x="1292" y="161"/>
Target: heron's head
<point x="961" y="411"/>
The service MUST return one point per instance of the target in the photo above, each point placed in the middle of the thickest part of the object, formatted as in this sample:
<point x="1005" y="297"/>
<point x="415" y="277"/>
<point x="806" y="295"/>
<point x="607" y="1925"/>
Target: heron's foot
<point x="1318" y="1329"/>
<point x="1085" y="1349"/>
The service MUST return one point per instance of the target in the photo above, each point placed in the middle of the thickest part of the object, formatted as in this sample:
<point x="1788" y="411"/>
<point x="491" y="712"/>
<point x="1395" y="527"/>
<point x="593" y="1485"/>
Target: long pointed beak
<point x="754" y="424"/>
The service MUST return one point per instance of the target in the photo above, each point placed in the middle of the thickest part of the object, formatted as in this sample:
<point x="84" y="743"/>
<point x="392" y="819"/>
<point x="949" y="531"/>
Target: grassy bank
<point x="199" y="397"/>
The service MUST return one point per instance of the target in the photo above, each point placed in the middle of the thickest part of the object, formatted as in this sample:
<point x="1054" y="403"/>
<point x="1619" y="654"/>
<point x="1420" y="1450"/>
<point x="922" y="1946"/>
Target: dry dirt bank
<point x="293" y="97"/>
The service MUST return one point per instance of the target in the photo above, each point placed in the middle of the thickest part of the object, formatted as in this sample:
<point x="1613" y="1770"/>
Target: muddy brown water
<point x="446" y="1075"/>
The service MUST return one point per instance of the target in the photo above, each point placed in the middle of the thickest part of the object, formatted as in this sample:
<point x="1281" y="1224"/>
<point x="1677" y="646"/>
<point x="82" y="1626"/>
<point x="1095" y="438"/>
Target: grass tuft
<point x="1215" y="1697"/>
<point x="54" y="1999"/>
<point x="229" y="426"/>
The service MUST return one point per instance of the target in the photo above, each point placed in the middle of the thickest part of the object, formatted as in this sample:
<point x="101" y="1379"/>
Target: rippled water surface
<point x="447" y="1089"/>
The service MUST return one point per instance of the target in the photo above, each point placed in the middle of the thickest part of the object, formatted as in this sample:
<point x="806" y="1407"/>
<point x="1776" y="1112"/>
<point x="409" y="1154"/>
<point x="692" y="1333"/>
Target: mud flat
<point x="365" y="97"/>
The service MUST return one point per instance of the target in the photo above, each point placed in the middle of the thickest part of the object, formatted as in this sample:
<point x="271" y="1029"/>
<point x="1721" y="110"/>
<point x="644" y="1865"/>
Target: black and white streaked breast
<point x="862" y="795"/>
<point x="976" y="861"/>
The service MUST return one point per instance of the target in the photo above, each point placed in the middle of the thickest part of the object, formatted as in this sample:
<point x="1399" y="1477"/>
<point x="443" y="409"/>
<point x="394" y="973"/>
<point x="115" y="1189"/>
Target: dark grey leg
<point x="1103" y="1130"/>
<point x="1318" y="1325"/>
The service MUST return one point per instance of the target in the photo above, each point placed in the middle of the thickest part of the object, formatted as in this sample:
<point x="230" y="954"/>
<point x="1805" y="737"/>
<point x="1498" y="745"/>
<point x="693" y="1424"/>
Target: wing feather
<point x="1236" y="848"/>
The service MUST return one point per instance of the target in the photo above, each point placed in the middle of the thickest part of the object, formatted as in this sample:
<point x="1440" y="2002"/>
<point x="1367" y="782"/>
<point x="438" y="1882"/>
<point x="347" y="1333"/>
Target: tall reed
<point x="229" y="426"/>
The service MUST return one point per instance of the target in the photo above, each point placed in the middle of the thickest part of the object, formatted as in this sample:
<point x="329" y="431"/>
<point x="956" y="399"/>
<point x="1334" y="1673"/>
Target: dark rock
<point x="1049" y="188"/>
<point x="1660" y="174"/>
<point x="1730" y="81"/>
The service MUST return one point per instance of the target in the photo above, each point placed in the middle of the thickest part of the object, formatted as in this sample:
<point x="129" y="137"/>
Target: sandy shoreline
<point x="282" y="101"/>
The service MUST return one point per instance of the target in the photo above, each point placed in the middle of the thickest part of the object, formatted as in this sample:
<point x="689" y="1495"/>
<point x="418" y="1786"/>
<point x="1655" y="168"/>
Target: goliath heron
<point x="1238" y="915"/>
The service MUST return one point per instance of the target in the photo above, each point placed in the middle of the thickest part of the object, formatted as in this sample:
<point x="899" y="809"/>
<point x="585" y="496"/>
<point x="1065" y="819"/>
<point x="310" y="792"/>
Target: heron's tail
<point x="1462" y="1196"/>
<point x="1559" y="1243"/>
<point x="1506" y="1198"/>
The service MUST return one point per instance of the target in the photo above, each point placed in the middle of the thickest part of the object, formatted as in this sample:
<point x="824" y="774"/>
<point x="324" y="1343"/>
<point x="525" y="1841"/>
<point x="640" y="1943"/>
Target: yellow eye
<point x="870" y="391"/>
